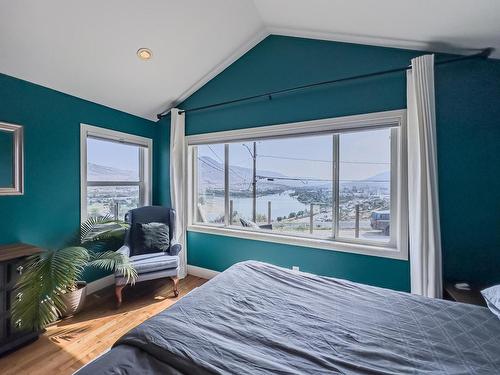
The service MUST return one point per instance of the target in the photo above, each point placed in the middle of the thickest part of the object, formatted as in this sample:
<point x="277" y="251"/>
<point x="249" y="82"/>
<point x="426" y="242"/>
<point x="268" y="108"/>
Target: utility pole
<point x="254" y="183"/>
<point x="269" y="212"/>
<point x="311" y="218"/>
<point x="254" y="179"/>
<point x="356" y="222"/>
<point x="231" y="212"/>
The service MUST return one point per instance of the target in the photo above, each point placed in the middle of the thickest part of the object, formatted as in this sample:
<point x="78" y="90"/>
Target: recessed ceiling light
<point x="144" y="53"/>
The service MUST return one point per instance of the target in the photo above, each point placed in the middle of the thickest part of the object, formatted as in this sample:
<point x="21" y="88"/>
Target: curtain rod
<point x="485" y="53"/>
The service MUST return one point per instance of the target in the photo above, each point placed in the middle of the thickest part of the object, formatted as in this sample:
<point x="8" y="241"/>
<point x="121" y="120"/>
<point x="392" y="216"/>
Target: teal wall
<point x="467" y="96"/>
<point x="162" y="174"/>
<point x="468" y="133"/>
<point x="220" y="252"/>
<point x="49" y="211"/>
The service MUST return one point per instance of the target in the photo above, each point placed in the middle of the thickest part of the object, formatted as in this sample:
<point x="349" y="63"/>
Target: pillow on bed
<point x="492" y="297"/>
<point x="155" y="237"/>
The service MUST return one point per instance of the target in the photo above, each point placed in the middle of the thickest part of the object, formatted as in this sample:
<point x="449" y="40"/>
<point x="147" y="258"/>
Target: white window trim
<point x="113" y="135"/>
<point x="396" y="118"/>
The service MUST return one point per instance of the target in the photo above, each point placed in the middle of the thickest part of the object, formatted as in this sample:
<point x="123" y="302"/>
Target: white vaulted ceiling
<point x="88" y="48"/>
<point x="441" y="25"/>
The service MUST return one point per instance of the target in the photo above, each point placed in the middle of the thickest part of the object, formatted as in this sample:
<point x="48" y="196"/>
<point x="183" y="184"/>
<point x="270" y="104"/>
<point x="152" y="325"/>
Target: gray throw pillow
<point x="156" y="237"/>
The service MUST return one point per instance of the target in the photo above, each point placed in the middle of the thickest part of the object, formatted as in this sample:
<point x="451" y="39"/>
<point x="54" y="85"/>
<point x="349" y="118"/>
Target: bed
<point x="256" y="318"/>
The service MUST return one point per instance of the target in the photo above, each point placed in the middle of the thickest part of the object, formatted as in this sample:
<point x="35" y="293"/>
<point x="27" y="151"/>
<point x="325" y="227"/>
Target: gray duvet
<point x="256" y="318"/>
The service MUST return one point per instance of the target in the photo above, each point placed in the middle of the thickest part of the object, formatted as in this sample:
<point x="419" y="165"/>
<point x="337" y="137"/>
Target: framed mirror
<point x="11" y="159"/>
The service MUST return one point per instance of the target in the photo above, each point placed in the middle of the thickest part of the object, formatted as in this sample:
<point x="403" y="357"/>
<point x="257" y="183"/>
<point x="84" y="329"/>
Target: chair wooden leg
<point x="175" y="279"/>
<point x="118" y="294"/>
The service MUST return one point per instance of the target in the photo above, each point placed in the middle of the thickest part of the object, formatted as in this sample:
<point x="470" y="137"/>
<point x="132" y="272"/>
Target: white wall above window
<point x="337" y="184"/>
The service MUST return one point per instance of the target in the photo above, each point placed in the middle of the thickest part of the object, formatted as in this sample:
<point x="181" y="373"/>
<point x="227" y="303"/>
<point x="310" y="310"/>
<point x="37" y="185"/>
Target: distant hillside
<point x="381" y="177"/>
<point x="96" y="172"/>
<point x="378" y="181"/>
<point x="211" y="174"/>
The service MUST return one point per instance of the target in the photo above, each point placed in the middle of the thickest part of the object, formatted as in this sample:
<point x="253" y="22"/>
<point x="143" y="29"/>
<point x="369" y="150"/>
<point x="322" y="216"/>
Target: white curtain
<point x="178" y="183"/>
<point x="424" y="228"/>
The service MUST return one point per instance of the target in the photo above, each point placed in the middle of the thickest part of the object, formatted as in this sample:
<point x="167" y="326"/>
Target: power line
<point x="323" y="160"/>
<point x="237" y="174"/>
<point x="316" y="179"/>
<point x="292" y="158"/>
<point x="214" y="164"/>
<point x="365" y="162"/>
<point x="220" y="170"/>
<point x="217" y="168"/>
<point x="210" y="165"/>
<point x="222" y="161"/>
<point x="293" y="178"/>
<point x="213" y="152"/>
<point x="365" y="181"/>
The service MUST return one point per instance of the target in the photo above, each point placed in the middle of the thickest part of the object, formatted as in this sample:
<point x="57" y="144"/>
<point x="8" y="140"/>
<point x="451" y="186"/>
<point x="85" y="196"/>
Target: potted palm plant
<point x="51" y="288"/>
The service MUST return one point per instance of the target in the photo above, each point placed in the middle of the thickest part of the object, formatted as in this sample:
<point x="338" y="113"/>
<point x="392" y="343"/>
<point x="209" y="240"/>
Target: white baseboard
<point x="99" y="284"/>
<point x="204" y="273"/>
<point x="102" y="283"/>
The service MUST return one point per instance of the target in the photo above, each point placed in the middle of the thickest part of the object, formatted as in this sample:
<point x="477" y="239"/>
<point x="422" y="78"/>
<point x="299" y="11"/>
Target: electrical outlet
<point x="295" y="268"/>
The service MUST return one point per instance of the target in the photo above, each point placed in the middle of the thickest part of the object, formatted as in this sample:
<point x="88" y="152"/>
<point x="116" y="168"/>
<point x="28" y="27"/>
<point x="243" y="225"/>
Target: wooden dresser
<point x="12" y="260"/>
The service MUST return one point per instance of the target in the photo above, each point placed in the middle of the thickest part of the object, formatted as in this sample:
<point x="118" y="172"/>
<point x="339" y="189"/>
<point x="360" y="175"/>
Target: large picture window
<point x="336" y="184"/>
<point x="116" y="174"/>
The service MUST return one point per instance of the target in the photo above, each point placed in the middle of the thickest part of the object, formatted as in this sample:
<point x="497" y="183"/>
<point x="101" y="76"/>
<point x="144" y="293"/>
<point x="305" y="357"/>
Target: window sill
<point x="356" y="248"/>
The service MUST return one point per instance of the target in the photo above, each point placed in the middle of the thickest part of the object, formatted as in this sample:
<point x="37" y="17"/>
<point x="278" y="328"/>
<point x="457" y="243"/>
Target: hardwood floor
<point x="69" y="344"/>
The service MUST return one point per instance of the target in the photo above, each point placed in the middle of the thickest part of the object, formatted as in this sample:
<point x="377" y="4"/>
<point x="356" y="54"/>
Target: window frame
<point x="145" y="163"/>
<point x="396" y="248"/>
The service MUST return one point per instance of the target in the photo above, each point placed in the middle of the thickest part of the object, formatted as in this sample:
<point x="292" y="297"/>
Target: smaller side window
<point x="115" y="172"/>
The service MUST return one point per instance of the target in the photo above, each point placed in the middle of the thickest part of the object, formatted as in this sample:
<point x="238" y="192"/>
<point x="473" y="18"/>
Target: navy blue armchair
<point x="149" y="263"/>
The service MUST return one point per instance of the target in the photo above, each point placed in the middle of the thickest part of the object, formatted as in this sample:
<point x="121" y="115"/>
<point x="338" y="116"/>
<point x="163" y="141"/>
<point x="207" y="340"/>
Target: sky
<point x="362" y="155"/>
<point x="113" y="154"/>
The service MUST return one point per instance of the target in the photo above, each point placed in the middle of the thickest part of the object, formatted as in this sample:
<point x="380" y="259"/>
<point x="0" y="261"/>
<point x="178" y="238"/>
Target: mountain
<point x="378" y="182"/>
<point x="381" y="177"/>
<point x="211" y="174"/>
<point x="96" y="172"/>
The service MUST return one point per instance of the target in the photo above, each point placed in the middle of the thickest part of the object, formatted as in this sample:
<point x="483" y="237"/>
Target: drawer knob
<point x="18" y="323"/>
<point x="20" y="270"/>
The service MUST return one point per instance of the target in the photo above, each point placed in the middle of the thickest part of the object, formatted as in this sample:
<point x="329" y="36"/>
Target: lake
<point x="282" y="205"/>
